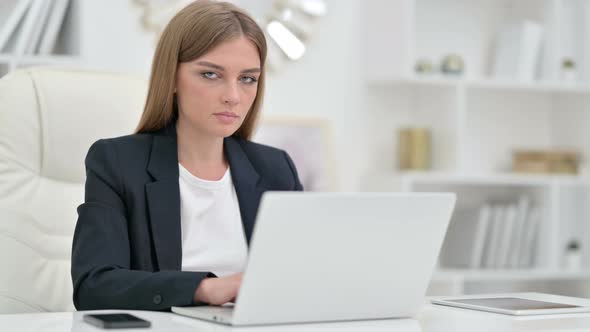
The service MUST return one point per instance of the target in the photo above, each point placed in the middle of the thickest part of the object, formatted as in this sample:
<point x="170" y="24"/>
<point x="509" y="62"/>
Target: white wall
<point x="112" y="37"/>
<point x="327" y="82"/>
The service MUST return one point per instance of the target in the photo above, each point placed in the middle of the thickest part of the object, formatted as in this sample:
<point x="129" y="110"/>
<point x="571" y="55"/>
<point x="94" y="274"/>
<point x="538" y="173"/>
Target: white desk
<point x="431" y="319"/>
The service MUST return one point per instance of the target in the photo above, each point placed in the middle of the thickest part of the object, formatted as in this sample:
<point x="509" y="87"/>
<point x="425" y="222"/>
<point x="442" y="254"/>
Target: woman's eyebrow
<point x="210" y="64"/>
<point x="220" y="68"/>
<point x="251" y="70"/>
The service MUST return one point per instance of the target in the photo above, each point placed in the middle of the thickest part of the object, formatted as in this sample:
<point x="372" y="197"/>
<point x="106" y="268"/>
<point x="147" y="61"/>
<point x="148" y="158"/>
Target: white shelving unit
<point x="477" y="121"/>
<point x="9" y="62"/>
<point x="106" y="35"/>
<point x="66" y="52"/>
<point x="509" y="275"/>
<point x="491" y="84"/>
<point x="458" y="281"/>
<point x="96" y="37"/>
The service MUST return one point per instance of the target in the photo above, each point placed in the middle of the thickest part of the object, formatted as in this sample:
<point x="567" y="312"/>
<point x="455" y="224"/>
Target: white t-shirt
<point x="213" y="236"/>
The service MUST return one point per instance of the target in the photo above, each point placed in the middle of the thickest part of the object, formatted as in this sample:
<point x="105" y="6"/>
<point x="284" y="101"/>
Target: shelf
<point x="500" y="179"/>
<point x="40" y="60"/>
<point x="29" y="60"/>
<point x="477" y="120"/>
<point x="508" y="275"/>
<point x="490" y="84"/>
<point x="545" y="87"/>
<point x="6" y="58"/>
<point x="437" y="81"/>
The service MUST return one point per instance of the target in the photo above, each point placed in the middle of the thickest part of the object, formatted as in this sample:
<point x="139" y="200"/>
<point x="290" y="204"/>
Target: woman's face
<point x="215" y="92"/>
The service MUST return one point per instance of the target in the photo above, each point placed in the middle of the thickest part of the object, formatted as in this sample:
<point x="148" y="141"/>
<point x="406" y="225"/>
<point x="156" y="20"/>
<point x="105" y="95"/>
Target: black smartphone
<point x="116" y="321"/>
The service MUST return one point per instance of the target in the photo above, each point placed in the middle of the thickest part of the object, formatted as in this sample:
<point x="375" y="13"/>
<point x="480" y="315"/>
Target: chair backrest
<point x="48" y="120"/>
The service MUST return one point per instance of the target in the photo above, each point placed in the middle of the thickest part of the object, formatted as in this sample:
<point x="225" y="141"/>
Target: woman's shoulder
<point x="254" y="149"/>
<point x="274" y="164"/>
<point x="133" y="147"/>
<point x="127" y="141"/>
<point x="266" y="158"/>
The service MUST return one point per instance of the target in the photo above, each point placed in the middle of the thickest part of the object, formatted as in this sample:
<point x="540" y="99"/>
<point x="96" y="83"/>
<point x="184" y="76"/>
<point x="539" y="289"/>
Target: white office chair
<point x="48" y="120"/>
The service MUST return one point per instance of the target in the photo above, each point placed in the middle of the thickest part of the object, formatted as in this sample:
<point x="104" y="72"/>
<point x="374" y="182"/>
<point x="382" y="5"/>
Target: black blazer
<point x="126" y="251"/>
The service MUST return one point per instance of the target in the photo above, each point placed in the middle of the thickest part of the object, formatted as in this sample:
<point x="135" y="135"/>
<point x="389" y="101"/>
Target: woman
<point x="169" y="210"/>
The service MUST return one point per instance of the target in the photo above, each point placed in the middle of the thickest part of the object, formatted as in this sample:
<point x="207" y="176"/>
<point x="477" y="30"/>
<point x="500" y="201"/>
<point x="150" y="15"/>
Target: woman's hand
<point x="217" y="291"/>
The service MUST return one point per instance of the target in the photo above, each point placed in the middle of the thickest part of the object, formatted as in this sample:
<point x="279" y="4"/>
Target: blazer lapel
<point x="163" y="199"/>
<point x="163" y="195"/>
<point x="247" y="182"/>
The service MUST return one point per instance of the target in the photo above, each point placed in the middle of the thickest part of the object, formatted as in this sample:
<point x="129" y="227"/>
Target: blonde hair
<point x="192" y="32"/>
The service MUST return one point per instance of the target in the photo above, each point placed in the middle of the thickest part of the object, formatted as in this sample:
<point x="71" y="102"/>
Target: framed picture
<point x="308" y="141"/>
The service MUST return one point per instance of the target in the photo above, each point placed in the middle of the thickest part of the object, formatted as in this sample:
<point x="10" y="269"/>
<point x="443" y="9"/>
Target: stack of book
<point x="497" y="235"/>
<point x="30" y="26"/>
<point x="549" y="162"/>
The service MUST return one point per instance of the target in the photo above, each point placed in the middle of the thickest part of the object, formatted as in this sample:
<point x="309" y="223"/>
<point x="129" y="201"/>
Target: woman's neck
<point x="201" y="155"/>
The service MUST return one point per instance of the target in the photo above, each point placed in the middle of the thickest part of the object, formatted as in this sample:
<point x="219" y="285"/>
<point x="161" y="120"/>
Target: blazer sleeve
<point x="101" y="273"/>
<point x="297" y="184"/>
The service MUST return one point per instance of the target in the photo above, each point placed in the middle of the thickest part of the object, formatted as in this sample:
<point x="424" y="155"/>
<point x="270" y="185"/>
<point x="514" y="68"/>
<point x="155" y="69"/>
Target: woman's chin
<point x="226" y="132"/>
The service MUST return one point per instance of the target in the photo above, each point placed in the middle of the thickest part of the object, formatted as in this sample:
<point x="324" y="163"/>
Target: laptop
<point x="318" y="257"/>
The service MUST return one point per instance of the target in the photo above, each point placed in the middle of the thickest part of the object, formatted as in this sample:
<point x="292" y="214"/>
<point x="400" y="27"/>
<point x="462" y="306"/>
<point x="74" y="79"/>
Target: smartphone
<point x="116" y="321"/>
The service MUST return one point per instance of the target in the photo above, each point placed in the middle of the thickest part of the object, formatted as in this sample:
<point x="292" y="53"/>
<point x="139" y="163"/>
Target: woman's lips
<point x="226" y="117"/>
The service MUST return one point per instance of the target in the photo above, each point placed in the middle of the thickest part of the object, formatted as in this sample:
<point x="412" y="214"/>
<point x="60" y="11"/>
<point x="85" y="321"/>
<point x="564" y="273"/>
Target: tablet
<point x="512" y="305"/>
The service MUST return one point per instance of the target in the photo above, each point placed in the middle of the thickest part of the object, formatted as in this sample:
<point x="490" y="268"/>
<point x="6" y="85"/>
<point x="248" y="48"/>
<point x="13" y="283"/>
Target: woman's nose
<point x="231" y="95"/>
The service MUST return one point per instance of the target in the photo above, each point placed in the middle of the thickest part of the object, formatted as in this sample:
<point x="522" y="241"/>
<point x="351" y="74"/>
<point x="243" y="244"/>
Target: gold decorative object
<point x="547" y="162"/>
<point x="452" y="64"/>
<point x="414" y="149"/>
<point x="424" y="66"/>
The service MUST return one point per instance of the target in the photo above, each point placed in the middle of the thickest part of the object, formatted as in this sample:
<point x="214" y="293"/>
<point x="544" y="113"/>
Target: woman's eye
<point x="210" y="75"/>
<point x="248" y="79"/>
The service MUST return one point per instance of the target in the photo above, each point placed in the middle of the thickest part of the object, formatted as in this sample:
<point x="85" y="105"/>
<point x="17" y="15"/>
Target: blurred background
<point x="485" y="98"/>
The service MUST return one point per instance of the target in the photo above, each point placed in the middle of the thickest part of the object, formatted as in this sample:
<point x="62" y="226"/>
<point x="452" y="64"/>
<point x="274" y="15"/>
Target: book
<point x="54" y="24"/>
<point x="506" y="236"/>
<point x="522" y="210"/>
<point x="517" y="52"/>
<point x="479" y="237"/>
<point x="11" y="14"/>
<point x="38" y="27"/>
<point x="28" y="25"/>
<point x="529" y="237"/>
